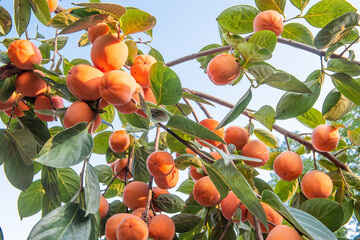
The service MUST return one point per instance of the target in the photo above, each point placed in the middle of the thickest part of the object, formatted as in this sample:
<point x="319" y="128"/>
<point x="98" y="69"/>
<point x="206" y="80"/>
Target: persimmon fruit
<point x="283" y="232"/>
<point x="269" y="20"/>
<point x="52" y="5"/>
<point x="112" y="224"/>
<point x="97" y="30"/>
<point x="194" y="174"/>
<point x="44" y="102"/>
<point x="223" y="69"/>
<point x="325" y="138"/>
<point x="316" y="184"/>
<point x="271" y="215"/>
<point x="149" y="95"/>
<point x="161" y="227"/>
<point x="18" y="111"/>
<point x="141" y="68"/>
<point x="169" y="181"/>
<point x="156" y="193"/>
<point x="104" y="207"/>
<point x="130" y="107"/>
<point x="119" y="165"/>
<point x="205" y="192"/>
<point x="160" y="164"/>
<point x="135" y="194"/>
<point x="236" y="135"/>
<point x="29" y="84"/>
<point x="288" y="166"/>
<point x="132" y="227"/>
<point x="24" y="54"/>
<point x="9" y="104"/>
<point x="119" y="141"/>
<point x="212" y="124"/>
<point x="140" y="211"/>
<point x="230" y="204"/>
<point x="256" y="149"/>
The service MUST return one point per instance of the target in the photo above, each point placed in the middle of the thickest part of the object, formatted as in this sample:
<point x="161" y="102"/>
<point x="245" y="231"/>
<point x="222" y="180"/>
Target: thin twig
<point x="229" y="223"/>
<point x="203" y="108"/>
<point x="347" y="48"/>
<point x="82" y="174"/>
<point x="113" y="179"/>
<point x="193" y="112"/>
<point x="314" y="158"/>
<point x="11" y="115"/>
<point x="181" y="110"/>
<point x="258" y="233"/>
<point x="55" y="51"/>
<point x="287" y="143"/>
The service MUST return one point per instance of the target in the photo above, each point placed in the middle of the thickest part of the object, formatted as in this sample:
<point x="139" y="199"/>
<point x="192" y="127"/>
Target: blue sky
<point x="183" y="27"/>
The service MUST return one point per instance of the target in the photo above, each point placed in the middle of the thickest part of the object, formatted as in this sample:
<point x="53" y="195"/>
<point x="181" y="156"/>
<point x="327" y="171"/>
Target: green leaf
<point x="261" y="185"/>
<point x="170" y="203"/>
<point x="285" y="190"/>
<point x="179" y="109"/>
<point x="300" y="4"/>
<point x="343" y="65"/>
<point x="138" y="165"/>
<point x="104" y="173"/>
<point x="265" y="115"/>
<point x="7" y="87"/>
<point x="135" y="20"/>
<point x="239" y="185"/>
<point x="354" y="136"/>
<point x="85" y="23"/>
<point x="84" y="40"/>
<point x="331" y="50"/>
<point x="21" y="15"/>
<point x="156" y="54"/>
<point x="65" y="222"/>
<point x="336" y="30"/>
<point x="336" y="106"/>
<point x="63" y="19"/>
<point x="298" y="33"/>
<point x="165" y="84"/>
<point x="325" y="11"/>
<point x="115" y="189"/>
<point x="352" y="179"/>
<point x="185" y="222"/>
<point x="17" y="169"/>
<point x="251" y="52"/>
<point x="264" y="39"/>
<point x="135" y="120"/>
<point x="237" y="110"/>
<point x="277" y="5"/>
<point x="22" y="141"/>
<point x="311" y="118"/>
<point x="204" y="61"/>
<point x="302" y="221"/>
<point x="195" y="98"/>
<point x="266" y="137"/>
<point x="185" y="160"/>
<point x="113" y="9"/>
<point x="328" y="212"/>
<point x="37" y="127"/>
<point x="66" y="148"/>
<point x="294" y="104"/>
<point x="186" y="187"/>
<point x="69" y="183"/>
<point x="192" y="128"/>
<point x="50" y="203"/>
<point x="5" y="21"/>
<point x="348" y="86"/>
<point x="41" y="10"/>
<point x="92" y="191"/>
<point x="238" y="19"/>
<point x="50" y="181"/>
<point x="101" y="142"/>
<point x="30" y="201"/>
<point x="175" y="145"/>
<point x="347" y="203"/>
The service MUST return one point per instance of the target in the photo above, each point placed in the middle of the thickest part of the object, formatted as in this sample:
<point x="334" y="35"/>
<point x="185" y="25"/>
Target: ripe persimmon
<point x="119" y="165"/>
<point x="288" y="165"/>
<point x="156" y="193"/>
<point x="160" y="164"/>
<point x="283" y="232"/>
<point x="97" y="31"/>
<point x="52" y="5"/>
<point x="78" y="112"/>
<point x="236" y="135"/>
<point x="135" y="194"/>
<point x="29" y="84"/>
<point x="9" y="104"/>
<point x="149" y="95"/>
<point x="141" y="68"/>
<point x="230" y="204"/>
<point x="18" y="111"/>
<point x="132" y="227"/>
<point x="169" y="181"/>
<point x="44" y="102"/>
<point x="325" y="138"/>
<point x="271" y="215"/>
<point x="269" y="20"/>
<point x="104" y="207"/>
<point x="256" y="149"/>
<point x="316" y="184"/>
<point x="194" y="174"/>
<point x="161" y="227"/>
<point x="112" y="223"/>
<point x="212" y="124"/>
<point x="140" y="211"/>
<point x="130" y="107"/>
<point x="119" y="141"/>
<point x="205" y="192"/>
<point x="83" y="82"/>
<point x="24" y="54"/>
<point x="117" y="87"/>
<point x="223" y="69"/>
<point x="108" y="53"/>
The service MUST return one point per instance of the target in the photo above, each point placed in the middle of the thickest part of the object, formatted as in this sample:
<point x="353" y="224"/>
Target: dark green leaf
<point x="347" y="203"/>
<point x="5" y="21"/>
<point x="7" y="87"/>
<point x="37" y="128"/>
<point x="325" y="11"/>
<point x="265" y="115"/>
<point x="135" y="20"/>
<point x="170" y="203"/>
<point x="261" y="185"/>
<point x="135" y="120"/>
<point x="311" y="118"/>
<point x="336" y="106"/>
<point x="186" y="187"/>
<point x="65" y="222"/>
<point x="352" y="179"/>
<point x="50" y="203"/>
<point x="298" y="33"/>
<point x="179" y="109"/>
<point x="185" y="160"/>
<point x="156" y="54"/>
<point x="21" y="15"/>
<point x="50" y="181"/>
<point x="41" y="10"/>
<point x="138" y="165"/>
<point x="114" y="9"/>
<point x="348" y="86"/>
<point x="104" y="173"/>
<point x="337" y="29"/>
<point x="238" y="19"/>
<point x="185" y="222"/>
<point x="84" y="23"/>
<point x="328" y="212"/>
<point x="69" y="183"/>
<point x="92" y="191"/>
<point x="165" y="84"/>
<point x="67" y="148"/>
<point x="332" y="49"/>
<point x="30" y="201"/>
<point x="63" y="19"/>
<point x="236" y="111"/>
<point x="343" y="65"/>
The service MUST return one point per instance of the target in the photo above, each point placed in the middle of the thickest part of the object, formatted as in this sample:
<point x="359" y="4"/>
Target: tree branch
<point x="258" y="233"/>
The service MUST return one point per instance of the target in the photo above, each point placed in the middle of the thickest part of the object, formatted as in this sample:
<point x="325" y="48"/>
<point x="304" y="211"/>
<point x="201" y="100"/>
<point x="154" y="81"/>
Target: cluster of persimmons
<point x="104" y="83"/>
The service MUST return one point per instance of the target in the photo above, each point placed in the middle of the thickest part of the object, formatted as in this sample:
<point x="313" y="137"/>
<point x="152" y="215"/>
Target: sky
<point x="183" y="27"/>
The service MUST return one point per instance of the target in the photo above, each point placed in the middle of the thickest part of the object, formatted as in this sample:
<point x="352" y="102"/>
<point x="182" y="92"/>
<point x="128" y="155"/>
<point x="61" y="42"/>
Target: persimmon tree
<point x="225" y="198"/>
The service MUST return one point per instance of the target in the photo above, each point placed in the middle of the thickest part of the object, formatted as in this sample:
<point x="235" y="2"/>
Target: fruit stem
<point x="193" y="112"/>
<point x="181" y="110"/>
<point x="277" y="128"/>
<point x="145" y="216"/>
<point x="258" y="233"/>
<point x="55" y="50"/>
<point x="314" y="158"/>
<point x="347" y="48"/>
<point x="203" y="108"/>
<point x="287" y="143"/>
<point x="11" y="115"/>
